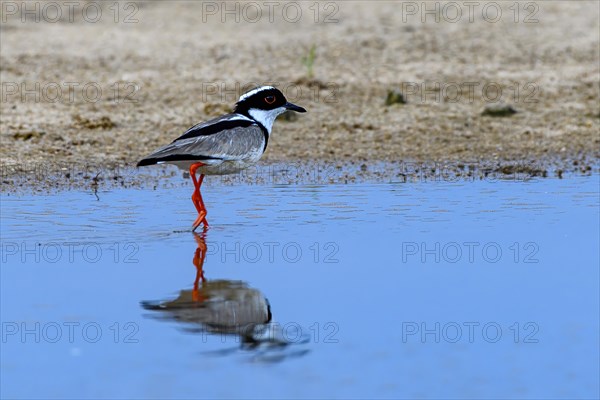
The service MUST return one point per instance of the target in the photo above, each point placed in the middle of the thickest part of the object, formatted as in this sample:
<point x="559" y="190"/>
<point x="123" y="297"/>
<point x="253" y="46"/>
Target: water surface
<point x="437" y="289"/>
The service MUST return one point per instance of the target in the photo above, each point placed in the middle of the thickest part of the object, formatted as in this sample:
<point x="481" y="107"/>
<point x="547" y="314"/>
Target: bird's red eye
<point x="270" y="99"/>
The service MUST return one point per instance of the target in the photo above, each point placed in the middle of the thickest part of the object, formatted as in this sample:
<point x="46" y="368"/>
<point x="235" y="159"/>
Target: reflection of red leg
<point x="197" y="197"/>
<point x="198" y="261"/>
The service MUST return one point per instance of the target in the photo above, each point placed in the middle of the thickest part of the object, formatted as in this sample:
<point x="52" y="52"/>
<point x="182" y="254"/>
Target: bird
<point x="226" y="144"/>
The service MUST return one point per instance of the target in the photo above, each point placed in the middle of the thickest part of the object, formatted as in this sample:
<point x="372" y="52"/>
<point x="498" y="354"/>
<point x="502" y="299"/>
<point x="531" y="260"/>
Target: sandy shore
<point x="104" y="91"/>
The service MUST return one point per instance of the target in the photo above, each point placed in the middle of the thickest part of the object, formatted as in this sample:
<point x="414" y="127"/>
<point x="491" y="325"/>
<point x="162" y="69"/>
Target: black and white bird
<point x="227" y="144"/>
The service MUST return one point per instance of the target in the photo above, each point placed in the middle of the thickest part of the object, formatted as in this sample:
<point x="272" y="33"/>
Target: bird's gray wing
<point x="230" y="144"/>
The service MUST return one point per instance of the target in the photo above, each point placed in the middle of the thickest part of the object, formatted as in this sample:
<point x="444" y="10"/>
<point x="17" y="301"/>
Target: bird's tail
<point x="147" y="161"/>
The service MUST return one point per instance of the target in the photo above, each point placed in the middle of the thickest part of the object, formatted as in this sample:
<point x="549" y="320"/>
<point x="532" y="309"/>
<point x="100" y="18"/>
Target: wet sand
<point x="79" y="97"/>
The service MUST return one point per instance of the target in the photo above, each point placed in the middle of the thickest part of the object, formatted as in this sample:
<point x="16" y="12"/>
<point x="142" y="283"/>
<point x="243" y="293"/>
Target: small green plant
<point x="394" y="97"/>
<point x="309" y="61"/>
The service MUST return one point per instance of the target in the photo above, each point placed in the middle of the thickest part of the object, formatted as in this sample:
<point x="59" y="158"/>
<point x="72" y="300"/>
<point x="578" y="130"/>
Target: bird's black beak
<point x="294" y="107"/>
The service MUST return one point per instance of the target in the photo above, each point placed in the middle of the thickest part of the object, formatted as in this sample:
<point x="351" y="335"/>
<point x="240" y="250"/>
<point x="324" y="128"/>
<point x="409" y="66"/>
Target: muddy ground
<point x="94" y="87"/>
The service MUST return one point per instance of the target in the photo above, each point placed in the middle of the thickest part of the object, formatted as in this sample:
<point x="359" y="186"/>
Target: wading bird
<point x="227" y="144"/>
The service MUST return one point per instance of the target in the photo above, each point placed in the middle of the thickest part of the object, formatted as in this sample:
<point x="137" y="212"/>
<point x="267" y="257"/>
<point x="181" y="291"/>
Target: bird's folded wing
<point x="230" y="144"/>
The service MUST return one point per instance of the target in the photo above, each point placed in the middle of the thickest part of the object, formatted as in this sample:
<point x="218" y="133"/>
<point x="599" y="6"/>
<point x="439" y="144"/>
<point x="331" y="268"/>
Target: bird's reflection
<point x="225" y="307"/>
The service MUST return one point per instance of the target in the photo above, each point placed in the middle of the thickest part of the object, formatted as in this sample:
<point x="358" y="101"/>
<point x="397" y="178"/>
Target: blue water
<point x="421" y="289"/>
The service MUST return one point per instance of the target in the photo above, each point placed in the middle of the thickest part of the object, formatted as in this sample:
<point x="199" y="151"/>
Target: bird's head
<point x="264" y="104"/>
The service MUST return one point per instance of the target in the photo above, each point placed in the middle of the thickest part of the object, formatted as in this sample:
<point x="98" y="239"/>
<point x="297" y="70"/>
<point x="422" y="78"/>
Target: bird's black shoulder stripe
<point x="175" y="157"/>
<point x="210" y="128"/>
<point x="265" y="132"/>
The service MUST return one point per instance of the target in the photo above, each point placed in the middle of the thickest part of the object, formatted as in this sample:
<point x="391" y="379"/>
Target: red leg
<point x="198" y="261"/>
<point x="197" y="198"/>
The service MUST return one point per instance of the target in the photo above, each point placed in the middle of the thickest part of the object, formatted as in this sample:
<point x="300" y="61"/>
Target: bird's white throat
<point x="266" y="117"/>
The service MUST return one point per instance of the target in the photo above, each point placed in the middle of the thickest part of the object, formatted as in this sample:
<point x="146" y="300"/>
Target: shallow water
<point x="436" y="289"/>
